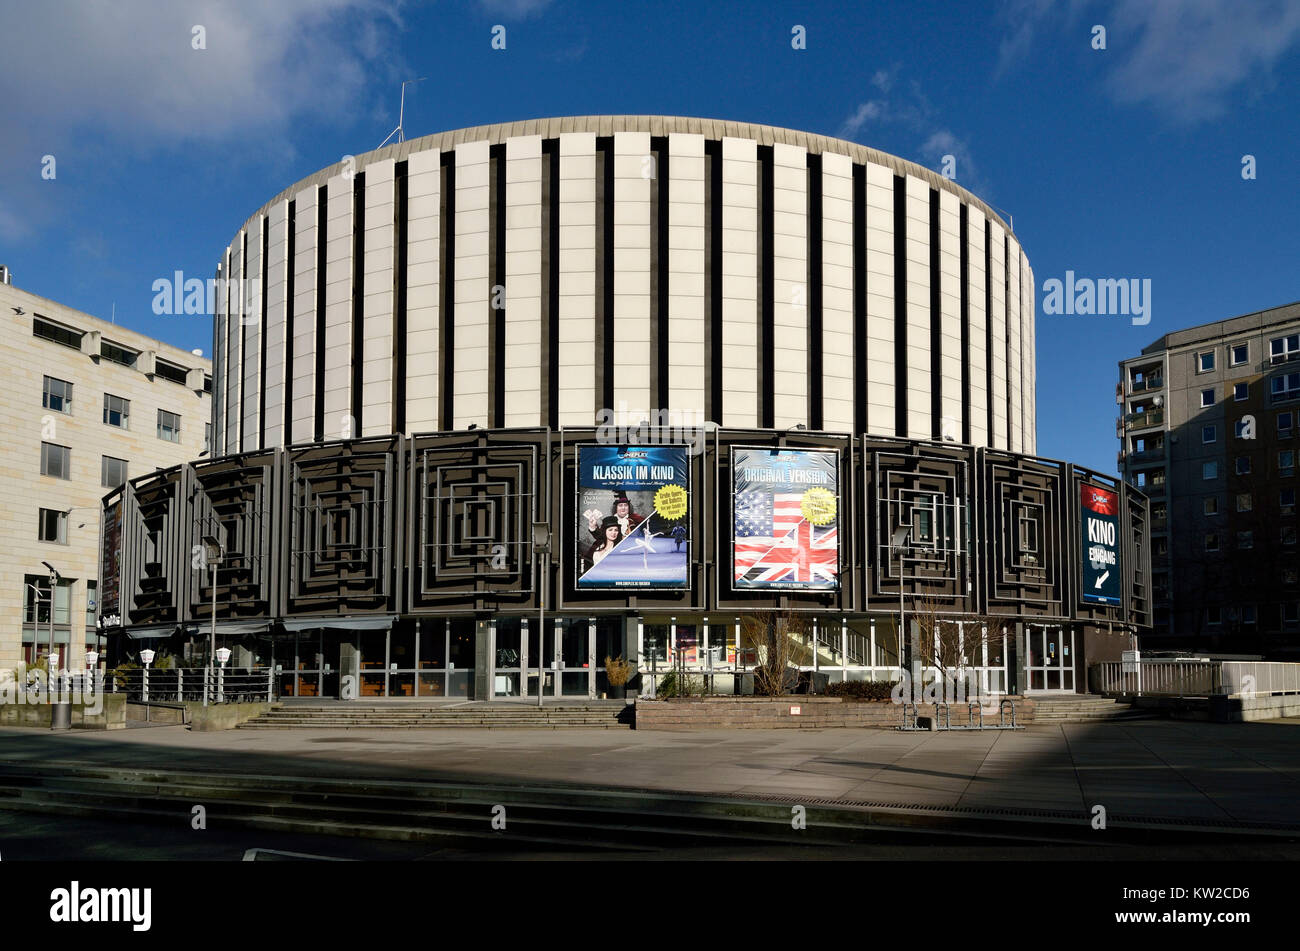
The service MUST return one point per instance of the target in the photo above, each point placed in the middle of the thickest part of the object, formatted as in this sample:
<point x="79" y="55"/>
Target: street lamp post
<point x="542" y="546"/>
<point x="900" y="544"/>
<point x="212" y="552"/>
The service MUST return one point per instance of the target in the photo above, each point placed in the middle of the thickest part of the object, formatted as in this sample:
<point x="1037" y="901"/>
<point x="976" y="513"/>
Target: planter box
<point x="111" y="715"/>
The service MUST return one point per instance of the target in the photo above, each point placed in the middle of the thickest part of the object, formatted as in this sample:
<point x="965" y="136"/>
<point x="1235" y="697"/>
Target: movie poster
<point x="786" y="519"/>
<point x="1100" y="529"/>
<point x="633" y="517"/>
<point x="110" y="561"/>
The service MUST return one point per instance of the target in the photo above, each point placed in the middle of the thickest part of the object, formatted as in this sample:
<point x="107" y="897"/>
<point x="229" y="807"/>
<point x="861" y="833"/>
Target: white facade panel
<point x="687" y="308"/>
<point x="1014" y="378"/>
<point x="998" y="329"/>
<point x="339" y="245"/>
<point x="423" y="290"/>
<point x="576" y="361"/>
<point x="789" y="285"/>
<point x="920" y="413"/>
<point x="740" y="357"/>
<point x="378" y="307"/>
<point x="472" y="315"/>
<point x="879" y="222"/>
<point x="302" y="368"/>
<point x="523" y="282"/>
<point x="277" y="319"/>
<point x="837" y="364"/>
<point x="951" y="355"/>
<point x="976" y="285"/>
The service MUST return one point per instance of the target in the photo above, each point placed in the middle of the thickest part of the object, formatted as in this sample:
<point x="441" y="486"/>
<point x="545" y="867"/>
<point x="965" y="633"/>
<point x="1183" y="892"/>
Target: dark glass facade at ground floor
<point x="498" y="657"/>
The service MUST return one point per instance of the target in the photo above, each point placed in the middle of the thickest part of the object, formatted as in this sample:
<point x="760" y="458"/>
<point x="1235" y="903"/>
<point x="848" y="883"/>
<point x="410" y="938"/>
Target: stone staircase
<point x="400" y="715"/>
<point x="1081" y="708"/>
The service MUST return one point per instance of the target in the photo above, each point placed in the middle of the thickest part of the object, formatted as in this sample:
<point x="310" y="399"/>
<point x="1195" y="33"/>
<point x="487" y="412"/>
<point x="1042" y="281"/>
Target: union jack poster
<point x="786" y="519"/>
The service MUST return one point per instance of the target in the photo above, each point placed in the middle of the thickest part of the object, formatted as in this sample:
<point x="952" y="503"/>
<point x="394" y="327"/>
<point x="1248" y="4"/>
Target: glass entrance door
<point x="575" y="659"/>
<point x="1049" y="659"/>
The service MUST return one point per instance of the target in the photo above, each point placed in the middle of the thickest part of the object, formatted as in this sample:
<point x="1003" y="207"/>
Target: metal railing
<point x="180" y="685"/>
<point x="1249" y="678"/>
<point x="1161" y="678"/>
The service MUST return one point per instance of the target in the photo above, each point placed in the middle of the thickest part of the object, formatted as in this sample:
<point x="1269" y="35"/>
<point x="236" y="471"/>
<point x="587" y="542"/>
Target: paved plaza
<point x="1162" y="770"/>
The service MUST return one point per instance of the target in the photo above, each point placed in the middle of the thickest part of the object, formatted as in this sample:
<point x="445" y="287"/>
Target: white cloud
<point x="1186" y="59"/>
<point x="1191" y="59"/>
<point x="867" y="112"/>
<point x="130" y="69"/>
<point x="519" y="9"/>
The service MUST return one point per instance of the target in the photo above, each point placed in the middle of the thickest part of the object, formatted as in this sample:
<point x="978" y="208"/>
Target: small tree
<point x="954" y="642"/>
<point x="779" y="643"/>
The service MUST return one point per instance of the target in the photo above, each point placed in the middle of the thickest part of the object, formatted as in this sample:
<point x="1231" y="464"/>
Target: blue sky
<point x="1117" y="163"/>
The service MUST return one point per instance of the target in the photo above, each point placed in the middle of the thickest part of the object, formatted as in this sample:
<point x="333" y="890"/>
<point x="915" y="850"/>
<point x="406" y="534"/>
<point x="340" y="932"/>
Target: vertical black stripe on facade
<point x="936" y="324"/>
<point x="358" y="297"/>
<point x="399" y="295"/>
<point x="604" y="271"/>
<point x="659" y="339"/>
<point x="322" y="205"/>
<point x="498" y="295"/>
<point x="766" y="286"/>
<point x="291" y="251"/>
<point x="713" y="277"/>
<point x="446" y="288"/>
<point x="988" y="329"/>
<point x="814" y="298"/>
<point x="963" y="225"/>
<point x="900" y="306"/>
<point x="550" y="379"/>
<point x="261" y="356"/>
<point x="859" y="299"/>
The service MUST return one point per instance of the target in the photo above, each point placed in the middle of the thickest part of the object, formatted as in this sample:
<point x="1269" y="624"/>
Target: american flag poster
<point x="786" y="519"/>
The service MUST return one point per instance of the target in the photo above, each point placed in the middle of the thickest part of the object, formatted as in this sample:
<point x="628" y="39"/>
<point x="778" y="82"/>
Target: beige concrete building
<point x="85" y="405"/>
<point x="535" y="273"/>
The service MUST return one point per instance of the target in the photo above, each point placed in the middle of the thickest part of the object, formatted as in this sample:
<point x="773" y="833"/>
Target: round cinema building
<point x="526" y="396"/>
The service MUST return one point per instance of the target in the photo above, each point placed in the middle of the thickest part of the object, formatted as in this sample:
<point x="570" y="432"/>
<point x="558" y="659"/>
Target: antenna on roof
<point x="401" y="113"/>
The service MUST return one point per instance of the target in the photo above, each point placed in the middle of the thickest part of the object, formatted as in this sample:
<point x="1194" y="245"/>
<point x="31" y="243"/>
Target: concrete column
<point x="482" y="682"/>
<point x="349" y="666"/>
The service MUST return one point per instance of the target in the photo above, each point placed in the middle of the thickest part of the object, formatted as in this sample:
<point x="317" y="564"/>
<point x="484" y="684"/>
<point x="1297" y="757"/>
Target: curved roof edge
<point x="550" y="128"/>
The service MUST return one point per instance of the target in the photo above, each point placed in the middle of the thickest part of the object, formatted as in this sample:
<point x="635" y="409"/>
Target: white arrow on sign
<point x="1104" y="576"/>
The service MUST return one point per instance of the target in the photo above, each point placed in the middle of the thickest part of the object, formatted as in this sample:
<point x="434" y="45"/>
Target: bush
<point x="861" y="689"/>
<point x="618" y="670"/>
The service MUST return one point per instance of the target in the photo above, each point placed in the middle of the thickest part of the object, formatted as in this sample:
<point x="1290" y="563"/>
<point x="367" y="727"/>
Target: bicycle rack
<point x="1002" y="720"/>
<point x="947" y="715"/>
<point x="909" y="726"/>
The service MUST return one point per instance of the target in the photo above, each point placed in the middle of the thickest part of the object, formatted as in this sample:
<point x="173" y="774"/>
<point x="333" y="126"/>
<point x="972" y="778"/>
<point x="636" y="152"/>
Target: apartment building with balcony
<point x="86" y="404"/>
<point x="1208" y="430"/>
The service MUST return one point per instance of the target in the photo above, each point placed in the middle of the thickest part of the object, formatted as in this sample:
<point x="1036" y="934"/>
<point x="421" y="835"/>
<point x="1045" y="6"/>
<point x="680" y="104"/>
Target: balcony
<point x="1144" y="420"/>
<point x="1147" y="384"/>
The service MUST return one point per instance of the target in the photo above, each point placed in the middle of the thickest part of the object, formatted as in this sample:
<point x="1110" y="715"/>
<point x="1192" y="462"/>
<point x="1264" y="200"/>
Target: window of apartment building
<point x="207" y="384"/>
<point x="1281" y="349"/>
<point x="1285" y="387"/>
<point x="1245" y="502"/>
<point x="1243" y="465"/>
<point x="1211" y="541"/>
<point x="57" y="395"/>
<point x="1209" y="470"/>
<point x="117" y="411"/>
<point x="170" y="372"/>
<point x="36" y="600"/>
<point x="1290" y="612"/>
<point x="169" y="426"/>
<point x="1290" y="575"/>
<point x="1246" y="539"/>
<point x="56" y="333"/>
<point x="1240" y="354"/>
<point x="52" y="526"/>
<point x="207" y="438"/>
<point x="1214" y="615"/>
<point x="1286" y="462"/>
<point x="1284" y="422"/>
<point x="112" y="472"/>
<point x="1209" y="434"/>
<point x="1211" y="505"/>
<point x="1286" y="501"/>
<point x="56" y="461"/>
<point x="1161" y="547"/>
<point x="1205" y="361"/>
<point x="1159" y="512"/>
<point x="1248" y="615"/>
<point x="1207" y="397"/>
<point x="115" y="354"/>
<point x="1240" y="391"/>
<point x="1288" y="534"/>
